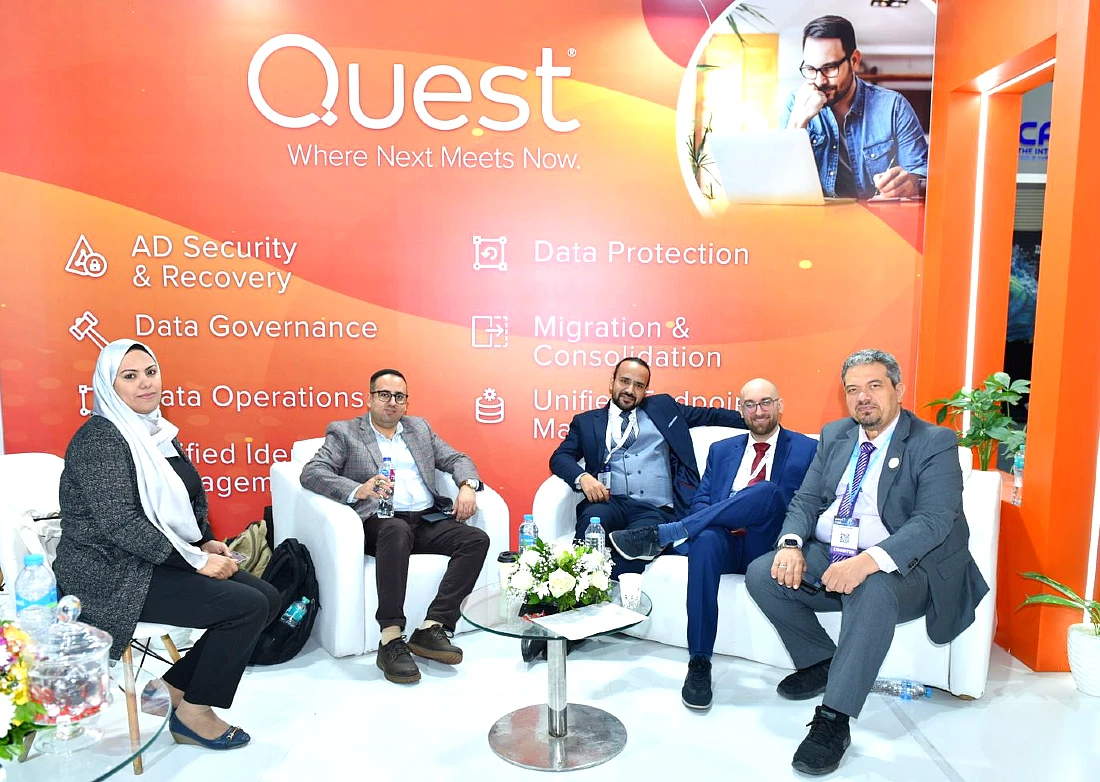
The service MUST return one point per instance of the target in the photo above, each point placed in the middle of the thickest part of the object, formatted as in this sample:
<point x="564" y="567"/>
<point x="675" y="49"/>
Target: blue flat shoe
<point x="232" y="738"/>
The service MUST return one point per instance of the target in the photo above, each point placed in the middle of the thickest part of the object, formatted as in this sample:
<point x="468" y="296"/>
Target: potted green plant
<point x="1083" y="640"/>
<point x="988" y="407"/>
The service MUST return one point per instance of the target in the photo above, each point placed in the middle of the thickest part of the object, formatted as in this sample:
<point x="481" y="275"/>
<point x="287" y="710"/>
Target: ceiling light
<point x="888" y="3"/>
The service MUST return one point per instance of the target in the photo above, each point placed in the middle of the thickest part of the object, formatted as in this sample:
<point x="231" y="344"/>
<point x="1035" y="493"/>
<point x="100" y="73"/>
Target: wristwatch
<point x="473" y="483"/>
<point x="789" y="541"/>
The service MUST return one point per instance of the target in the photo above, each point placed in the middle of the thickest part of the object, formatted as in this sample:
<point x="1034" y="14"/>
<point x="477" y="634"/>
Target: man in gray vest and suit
<point x="345" y="469"/>
<point x="877" y="532"/>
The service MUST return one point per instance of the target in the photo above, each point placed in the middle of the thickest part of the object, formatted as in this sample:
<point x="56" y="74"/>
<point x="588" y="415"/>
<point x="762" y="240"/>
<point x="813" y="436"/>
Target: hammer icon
<point x="84" y="328"/>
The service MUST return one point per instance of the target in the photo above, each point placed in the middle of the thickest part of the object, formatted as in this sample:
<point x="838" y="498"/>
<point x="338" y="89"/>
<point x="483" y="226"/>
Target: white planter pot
<point x="1084" y="658"/>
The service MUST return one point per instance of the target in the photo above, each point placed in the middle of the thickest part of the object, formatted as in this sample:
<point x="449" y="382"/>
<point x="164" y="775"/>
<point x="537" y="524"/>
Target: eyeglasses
<point x="829" y="70"/>
<point x="764" y="404"/>
<point x="386" y="396"/>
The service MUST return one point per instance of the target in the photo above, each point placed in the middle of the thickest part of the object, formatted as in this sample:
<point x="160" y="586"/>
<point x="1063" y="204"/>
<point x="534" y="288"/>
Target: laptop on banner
<point x="769" y="167"/>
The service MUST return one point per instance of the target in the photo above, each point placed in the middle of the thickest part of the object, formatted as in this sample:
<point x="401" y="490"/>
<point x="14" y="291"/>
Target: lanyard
<point x="619" y="439"/>
<point x="850" y="472"/>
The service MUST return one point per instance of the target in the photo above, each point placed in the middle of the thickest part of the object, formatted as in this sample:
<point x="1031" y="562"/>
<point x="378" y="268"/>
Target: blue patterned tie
<point x="847" y="544"/>
<point x="632" y="437"/>
<point x="849" y="500"/>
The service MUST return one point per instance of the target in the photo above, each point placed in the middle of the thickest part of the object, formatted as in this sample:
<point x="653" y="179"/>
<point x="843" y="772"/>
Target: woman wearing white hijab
<point x="136" y="546"/>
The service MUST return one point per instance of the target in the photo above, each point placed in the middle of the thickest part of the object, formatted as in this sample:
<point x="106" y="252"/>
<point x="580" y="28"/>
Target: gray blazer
<point x="350" y="456"/>
<point x="108" y="546"/>
<point x="920" y="503"/>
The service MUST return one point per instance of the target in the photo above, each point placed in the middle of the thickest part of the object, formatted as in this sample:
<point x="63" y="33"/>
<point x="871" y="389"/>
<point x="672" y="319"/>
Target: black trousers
<point x="233" y="613"/>
<point x="392" y="541"/>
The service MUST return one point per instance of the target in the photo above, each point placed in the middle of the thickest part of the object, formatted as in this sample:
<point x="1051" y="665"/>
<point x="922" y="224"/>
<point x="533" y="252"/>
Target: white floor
<point x="319" y="718"/>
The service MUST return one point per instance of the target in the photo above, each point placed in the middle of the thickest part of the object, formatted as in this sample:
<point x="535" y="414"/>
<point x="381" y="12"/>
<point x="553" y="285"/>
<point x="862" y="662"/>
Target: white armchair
<point x="959" y="667"/>
<point x="333" y="533"/>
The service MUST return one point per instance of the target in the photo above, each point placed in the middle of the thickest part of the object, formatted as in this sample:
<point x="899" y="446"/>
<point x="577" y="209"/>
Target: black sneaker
<point x="805" y="683"/>
<point x="820" y="752"/>
<point x="637" y="543"/>
<point x="396" y="662"/>
<point x="434" y="644"/>
<point x="697" y="693"/>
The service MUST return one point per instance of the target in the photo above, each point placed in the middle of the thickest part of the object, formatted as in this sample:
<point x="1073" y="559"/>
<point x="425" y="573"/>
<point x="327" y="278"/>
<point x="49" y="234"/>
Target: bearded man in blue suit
<point x="639" y="462"/>
<point x="735" y="517"/>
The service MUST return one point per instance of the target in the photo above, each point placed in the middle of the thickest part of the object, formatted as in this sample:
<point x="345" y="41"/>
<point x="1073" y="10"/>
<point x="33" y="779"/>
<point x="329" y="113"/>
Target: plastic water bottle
<point x="903" y="688"/>
<point x="385" y="504"/>
<point x="35" y="596"/>
<point x="528" y="532"/>
<point x="1018" y="477"/>
<point x="295" y="612"/>
<point x="594" y="536"/>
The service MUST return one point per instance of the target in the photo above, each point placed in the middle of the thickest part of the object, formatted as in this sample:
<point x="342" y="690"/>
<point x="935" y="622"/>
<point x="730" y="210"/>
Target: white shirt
<point x="744" y="472"/>
<point x="871" y="529"/>
<point x="410" y="493"/>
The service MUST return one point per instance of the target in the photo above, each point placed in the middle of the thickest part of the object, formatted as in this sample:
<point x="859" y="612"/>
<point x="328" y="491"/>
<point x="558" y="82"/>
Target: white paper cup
<point x="630" y="589"/>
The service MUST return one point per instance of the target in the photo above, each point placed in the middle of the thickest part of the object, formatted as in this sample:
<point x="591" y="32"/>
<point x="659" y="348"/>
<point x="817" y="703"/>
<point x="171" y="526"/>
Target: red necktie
<point x="757" y="471"/>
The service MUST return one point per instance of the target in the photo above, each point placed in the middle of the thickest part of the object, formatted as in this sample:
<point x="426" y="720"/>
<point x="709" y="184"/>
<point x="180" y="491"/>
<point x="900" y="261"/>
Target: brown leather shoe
<point x="434" y="644"/>
<point x="396" y="663"/>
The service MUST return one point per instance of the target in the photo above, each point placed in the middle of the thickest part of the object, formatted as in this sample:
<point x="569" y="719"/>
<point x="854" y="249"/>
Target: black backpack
<point x="291" y="572"/>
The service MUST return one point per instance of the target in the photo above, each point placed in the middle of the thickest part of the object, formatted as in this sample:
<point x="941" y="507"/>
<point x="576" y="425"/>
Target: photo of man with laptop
<point x="866" y="139"/>
<point x="832" y="133"/>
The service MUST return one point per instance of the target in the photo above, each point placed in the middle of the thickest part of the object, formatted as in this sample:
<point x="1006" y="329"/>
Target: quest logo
<point x="422" y="97"/>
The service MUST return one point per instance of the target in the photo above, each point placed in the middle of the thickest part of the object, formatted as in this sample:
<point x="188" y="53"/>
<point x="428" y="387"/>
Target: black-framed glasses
<point x="829" y="70"/>
<point x="385" y="396"/>
<point x="764" y="404"/>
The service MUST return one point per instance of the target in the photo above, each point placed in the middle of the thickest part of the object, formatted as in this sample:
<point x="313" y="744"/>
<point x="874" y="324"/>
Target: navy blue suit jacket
<point x="586" y="440"/>
<point x="793" y="454"/>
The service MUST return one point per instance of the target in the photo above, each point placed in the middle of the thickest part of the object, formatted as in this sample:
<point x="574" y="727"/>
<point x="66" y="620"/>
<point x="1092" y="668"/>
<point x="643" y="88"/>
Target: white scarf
<point x="163" y="495"/>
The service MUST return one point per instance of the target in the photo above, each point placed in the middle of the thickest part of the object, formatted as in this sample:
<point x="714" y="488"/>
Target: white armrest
<point x="555" y="509"/>
<point x="491" y="517"/>
<point x="333" y="534"/>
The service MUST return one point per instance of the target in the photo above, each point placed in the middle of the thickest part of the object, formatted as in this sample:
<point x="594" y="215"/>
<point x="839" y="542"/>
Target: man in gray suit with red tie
<point x="734" y="518"/>
<point x="879" y="520"/>
<point x="346" y="469"/>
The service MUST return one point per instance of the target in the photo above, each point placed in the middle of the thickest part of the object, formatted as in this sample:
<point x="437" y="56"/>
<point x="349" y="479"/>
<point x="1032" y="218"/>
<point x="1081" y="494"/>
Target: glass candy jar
<point x="70" y="679"/>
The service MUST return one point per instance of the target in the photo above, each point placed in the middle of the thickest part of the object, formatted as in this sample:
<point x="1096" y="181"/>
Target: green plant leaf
<point x="1050" y="582"/>
<point x="1053" y="600"/>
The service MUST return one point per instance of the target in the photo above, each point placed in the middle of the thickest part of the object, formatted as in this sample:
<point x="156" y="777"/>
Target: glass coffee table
<point x="557" y="735"/>
<point x="118" y="746"/>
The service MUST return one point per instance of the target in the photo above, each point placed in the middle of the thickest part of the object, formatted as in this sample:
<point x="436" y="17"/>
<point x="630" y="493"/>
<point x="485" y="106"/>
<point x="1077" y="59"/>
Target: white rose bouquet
<point x="563" y="576"/>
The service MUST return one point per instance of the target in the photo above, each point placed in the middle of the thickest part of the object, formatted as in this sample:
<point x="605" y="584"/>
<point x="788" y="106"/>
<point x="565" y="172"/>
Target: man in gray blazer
<point x="346" y="469"/>
<point x="877" y="532"/>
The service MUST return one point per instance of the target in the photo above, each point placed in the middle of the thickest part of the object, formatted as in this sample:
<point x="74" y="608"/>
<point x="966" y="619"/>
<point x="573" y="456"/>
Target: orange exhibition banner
<point x="501" y="201"/>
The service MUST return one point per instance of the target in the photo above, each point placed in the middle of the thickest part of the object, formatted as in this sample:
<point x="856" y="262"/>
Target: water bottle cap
<point x="305" y="599"/>
<point x="33" y="559"/>
<point x="528" y="517"/>
<point x="595" y="520"/>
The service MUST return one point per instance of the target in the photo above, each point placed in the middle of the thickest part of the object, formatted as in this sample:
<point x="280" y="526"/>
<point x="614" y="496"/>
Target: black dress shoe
<point x="434" y="644"/>
<point x="638" y="543"/>
<point x="396" y="663"/>
<point x="697" y="693"/>
<point x="805" y="683"/>
<point x="820" y="752"/>
<point x="531" y="649"/>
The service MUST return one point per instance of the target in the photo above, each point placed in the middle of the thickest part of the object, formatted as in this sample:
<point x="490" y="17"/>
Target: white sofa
<point x="959" y="667"/>
<point x="333" y="533"/>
